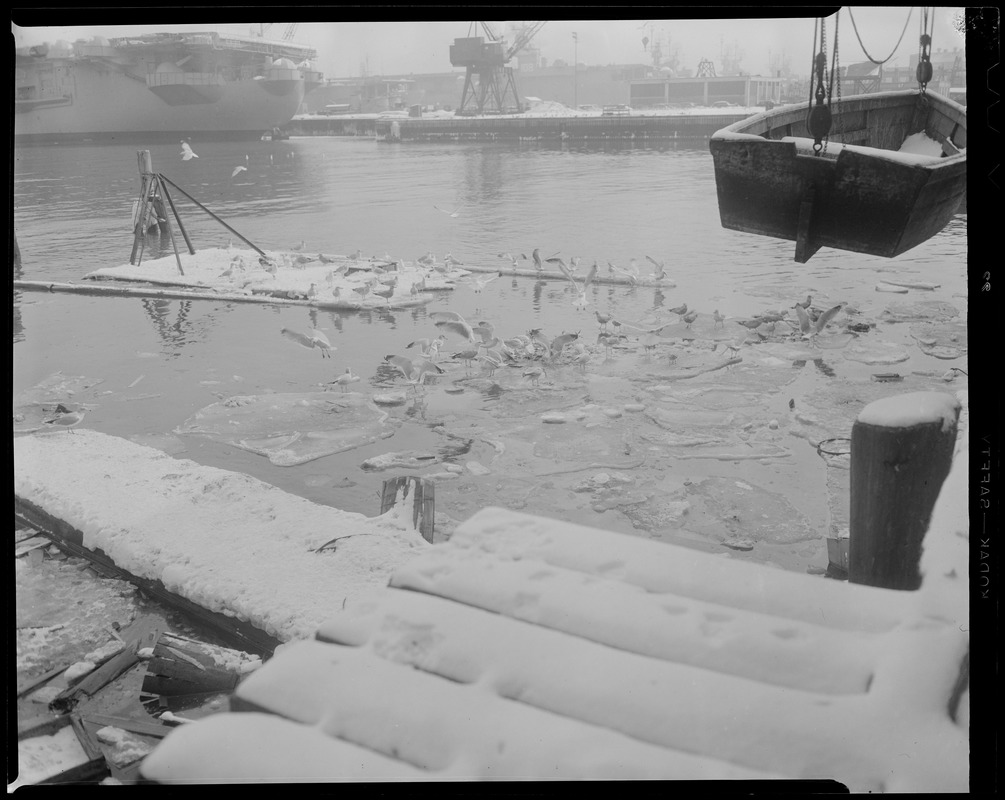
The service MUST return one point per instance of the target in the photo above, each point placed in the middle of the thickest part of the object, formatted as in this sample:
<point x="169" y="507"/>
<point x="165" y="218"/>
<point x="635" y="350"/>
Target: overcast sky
<point x="390" y="47"/>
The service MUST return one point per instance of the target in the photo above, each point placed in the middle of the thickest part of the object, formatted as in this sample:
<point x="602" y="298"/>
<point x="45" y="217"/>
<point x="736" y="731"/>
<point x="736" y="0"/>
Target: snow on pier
<point x="534" y="648"/>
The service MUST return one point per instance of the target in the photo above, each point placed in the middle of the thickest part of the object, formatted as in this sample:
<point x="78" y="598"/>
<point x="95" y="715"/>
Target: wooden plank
<point x="207" y="679"/>
<point x="95" y="681"/>
<point x="98" y="721"/>
<point x="31" y="685"/>
<point x="240" y="634"/>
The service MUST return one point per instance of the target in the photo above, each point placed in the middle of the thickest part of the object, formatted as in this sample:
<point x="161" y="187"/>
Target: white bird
<point x="446" y="316"/>
<point x="453" y="213"/>
<point x="314" y="338"/>
<point x="458" y="327"/>
<point x="660" y="268"/>
<point x="414" y="371"/>
<point x="68" y="420"/>
<point x="187" y="154"/>
<point x="492" y="359"/>
<point x="477" y="284"/>
<point x="534" y="374"/>
<point x="237" y="171"/>
<point x="581" y="301"/>
<point x="719" y="319"/>
<point x="346" y="378"/>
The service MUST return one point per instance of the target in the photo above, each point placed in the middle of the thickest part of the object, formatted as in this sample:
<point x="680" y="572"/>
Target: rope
<point x="873" y="60"/>
<point x="822" y="450"/>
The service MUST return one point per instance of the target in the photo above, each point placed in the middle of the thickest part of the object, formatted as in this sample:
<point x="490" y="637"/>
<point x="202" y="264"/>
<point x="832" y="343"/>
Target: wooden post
<point x="423" y="501"/>
<point x="145" y="165"/>
<point x="177" y="217"/>
<point x="901" y="452"/>
<point x="156" y="186"/>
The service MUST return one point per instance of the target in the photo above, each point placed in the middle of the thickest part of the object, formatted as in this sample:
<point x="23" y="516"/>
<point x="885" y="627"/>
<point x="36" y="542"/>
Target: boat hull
<point x="861" y="194"/>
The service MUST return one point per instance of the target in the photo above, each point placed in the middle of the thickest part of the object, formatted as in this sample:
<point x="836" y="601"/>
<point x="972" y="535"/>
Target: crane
<point x="488" y="82"/>
<point x="288" y="32"/>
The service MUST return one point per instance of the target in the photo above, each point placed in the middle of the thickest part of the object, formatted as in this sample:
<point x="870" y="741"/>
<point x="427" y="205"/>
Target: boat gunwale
<point x="737" y="131"/>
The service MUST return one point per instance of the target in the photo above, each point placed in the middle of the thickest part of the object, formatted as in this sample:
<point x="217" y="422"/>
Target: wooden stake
<point x="423" y="501"/>
<point x="177" y="217"/>
<point x="897" y="470"/>
<point x="157" y="185"/>
<point x="145" y="165"/>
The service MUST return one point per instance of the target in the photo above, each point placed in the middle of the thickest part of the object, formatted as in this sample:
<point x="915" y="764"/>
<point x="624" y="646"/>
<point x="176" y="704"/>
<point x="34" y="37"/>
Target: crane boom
<point x="524" y="38"/>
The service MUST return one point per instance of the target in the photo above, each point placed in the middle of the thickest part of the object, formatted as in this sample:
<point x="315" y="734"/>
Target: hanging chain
<point x="818" y="119"/>
<point x="924" y="72"/>
<point x="873" y="60"/>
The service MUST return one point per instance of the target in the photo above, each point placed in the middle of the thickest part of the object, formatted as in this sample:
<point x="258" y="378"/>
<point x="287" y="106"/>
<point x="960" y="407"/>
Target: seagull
<point x="237" y="171"/>
<point x="453" y="213"/>
<point x="581" y="302"/>
<point x="534" y="373"/>
<point x="458" y="327"/>
<point x="690" y="317"/>
<point x="314" y="338"/>
<point x="559" y="342"/>
<point x="536" y="255"/>
<point x="427" y="347"/>
<point x="806" y="302"/>
<point x="346" y="378"/>
<point x="414" y="371"/>
<point x="608" y="341"/>
<point x="467" y="356"/>
<point x="603" y="319"/>
<point x="660" y="266"/>
<point x="312" y="293"/>
<point x="632" y="277"/>
<point x="492" y="359"/>
<point x="751" y="324"/>
<point x="187" y="154"/>
<point x="299" y="247"/>
<point x="477" y="284"/>
<point x="680" y="310"/>
<point x="719" y="319"/>
<point x="485" y="330"/>
<point x="68" y="420"/>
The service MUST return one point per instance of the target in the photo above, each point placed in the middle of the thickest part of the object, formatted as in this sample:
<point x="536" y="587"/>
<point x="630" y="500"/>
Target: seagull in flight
<point x="187" y="153"/>
<point x="314" y="338"/>
<point x="237" y="171"/>
<point x="453" y="213"/>
<point x="477" y="284"/>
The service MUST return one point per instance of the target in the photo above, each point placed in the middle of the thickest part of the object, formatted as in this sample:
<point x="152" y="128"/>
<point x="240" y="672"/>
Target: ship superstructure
<point x="163" y="83"/>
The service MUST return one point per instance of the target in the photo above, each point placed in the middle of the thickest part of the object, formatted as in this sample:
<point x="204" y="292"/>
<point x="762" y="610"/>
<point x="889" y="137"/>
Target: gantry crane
<point x="489" y="83"/>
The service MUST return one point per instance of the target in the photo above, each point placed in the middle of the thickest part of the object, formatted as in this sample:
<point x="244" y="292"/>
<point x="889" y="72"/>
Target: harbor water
<point x="150" y="364"/>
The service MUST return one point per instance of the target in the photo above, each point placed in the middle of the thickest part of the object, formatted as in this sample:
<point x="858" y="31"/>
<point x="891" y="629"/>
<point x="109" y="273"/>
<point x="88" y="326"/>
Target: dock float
<point x="244" y="557"/>
<point x="639" y="128"/>
<point x="533" y="648"/>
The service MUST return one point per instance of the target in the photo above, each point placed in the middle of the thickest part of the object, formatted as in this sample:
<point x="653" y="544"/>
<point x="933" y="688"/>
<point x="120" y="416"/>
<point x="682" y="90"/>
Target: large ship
<point x="163" y="84"/>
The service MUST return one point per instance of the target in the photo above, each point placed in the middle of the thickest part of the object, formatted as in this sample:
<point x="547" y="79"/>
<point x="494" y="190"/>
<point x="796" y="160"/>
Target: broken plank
<point x="93" y="682"/>
<point x="99" y="721"/>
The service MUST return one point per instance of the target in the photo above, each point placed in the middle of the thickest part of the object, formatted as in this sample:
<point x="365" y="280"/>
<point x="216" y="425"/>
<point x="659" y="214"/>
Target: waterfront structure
<point x="738" y="90"/>
<point x="165" y="83"/>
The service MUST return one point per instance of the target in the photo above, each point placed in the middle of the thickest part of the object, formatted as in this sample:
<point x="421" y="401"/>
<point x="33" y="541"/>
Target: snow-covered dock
<point x="247" y="552"/>
<point x="534" y="648"/>
<point x="333" y="282"/>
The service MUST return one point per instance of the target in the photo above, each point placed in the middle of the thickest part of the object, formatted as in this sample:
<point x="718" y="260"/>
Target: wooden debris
<point x="423" y="501"/>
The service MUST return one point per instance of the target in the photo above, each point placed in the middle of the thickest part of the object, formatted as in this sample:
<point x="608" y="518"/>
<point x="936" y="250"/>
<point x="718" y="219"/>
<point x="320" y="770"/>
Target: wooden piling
<point x="901" y="452"/>
<point x="145" y="166"/>
<point x="423" y="501"/>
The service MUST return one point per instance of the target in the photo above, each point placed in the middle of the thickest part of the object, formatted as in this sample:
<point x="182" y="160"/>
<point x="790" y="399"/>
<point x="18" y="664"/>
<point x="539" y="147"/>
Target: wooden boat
<point x="862" y="193"/>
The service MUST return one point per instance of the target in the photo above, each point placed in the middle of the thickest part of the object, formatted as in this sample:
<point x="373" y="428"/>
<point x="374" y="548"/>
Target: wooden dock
<point x="534" y="648"/>
<point x="640" y="128"/>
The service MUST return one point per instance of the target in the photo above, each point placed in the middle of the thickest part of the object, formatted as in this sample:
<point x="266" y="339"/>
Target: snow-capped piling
<point x="395" y="492"/>
<point x="901" y="452"/>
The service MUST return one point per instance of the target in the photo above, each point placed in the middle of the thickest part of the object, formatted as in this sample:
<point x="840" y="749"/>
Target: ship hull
<point x="106" y="103"/>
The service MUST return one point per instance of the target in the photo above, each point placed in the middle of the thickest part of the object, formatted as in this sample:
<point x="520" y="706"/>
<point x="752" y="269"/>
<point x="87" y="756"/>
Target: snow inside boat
<point x="891" y="174"/>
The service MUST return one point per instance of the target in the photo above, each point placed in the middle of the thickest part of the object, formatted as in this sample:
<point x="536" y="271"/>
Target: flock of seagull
<point x="534" y="352"/>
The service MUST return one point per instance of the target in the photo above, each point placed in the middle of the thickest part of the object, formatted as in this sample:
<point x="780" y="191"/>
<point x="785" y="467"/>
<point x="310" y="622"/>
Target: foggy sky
<point x="347" y="49"/>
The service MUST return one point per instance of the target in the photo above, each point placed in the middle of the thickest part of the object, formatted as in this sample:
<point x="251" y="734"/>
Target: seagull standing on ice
<point x="67" y="421"/>
<point x="346" y="378"/>
<point x="187" y="154"/>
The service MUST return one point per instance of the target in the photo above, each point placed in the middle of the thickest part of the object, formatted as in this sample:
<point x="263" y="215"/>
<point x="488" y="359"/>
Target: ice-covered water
<point x="161" y="361"/>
